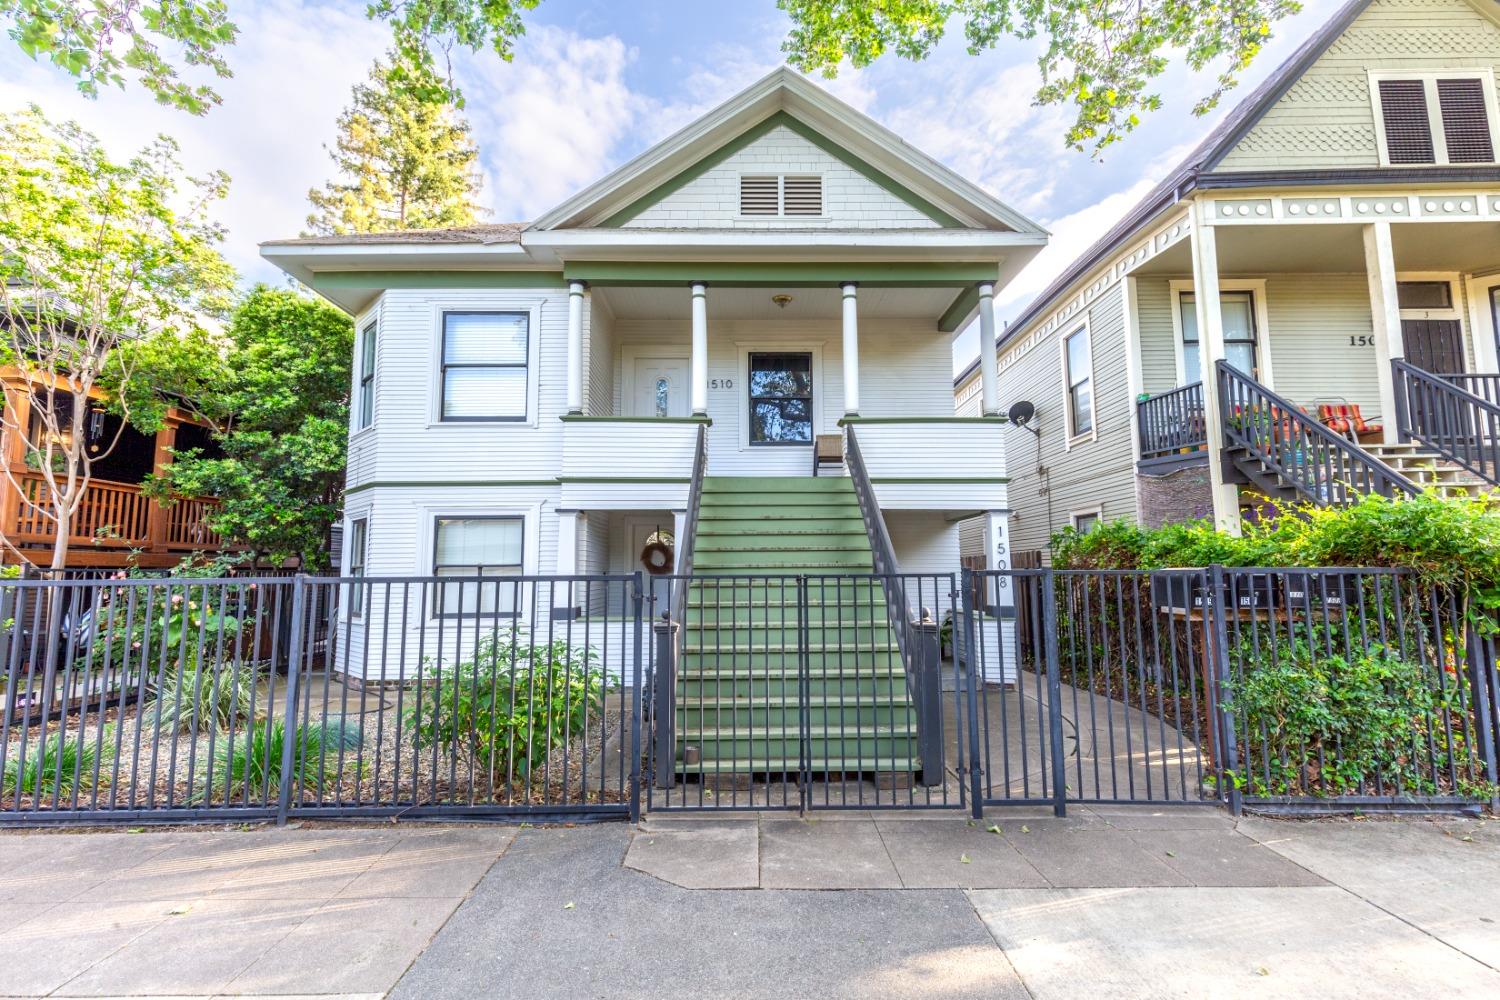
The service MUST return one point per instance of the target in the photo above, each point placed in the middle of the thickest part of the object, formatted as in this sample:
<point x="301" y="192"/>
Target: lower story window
<point x="359" y="533"/>
<point x="1086" y="522"/>
<point x="466" y="551"/>
<point x="781" y="399"/>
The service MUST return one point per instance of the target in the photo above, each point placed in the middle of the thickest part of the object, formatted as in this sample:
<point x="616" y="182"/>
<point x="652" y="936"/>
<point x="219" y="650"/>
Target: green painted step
<point x="788" y="766"/>
<point x="744" y="639"/>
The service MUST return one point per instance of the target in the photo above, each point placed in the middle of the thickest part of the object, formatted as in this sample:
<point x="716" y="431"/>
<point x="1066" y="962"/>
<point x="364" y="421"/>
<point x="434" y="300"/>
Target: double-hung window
<point x="1438" y="118"/>
<point x="366" y="410"/>
<point x="781" y="400"/>
<point x="485" y="365"/>
<point x="467" y="553"/>
<point x="1237" y="314"/>
<point x="1079" y="376"/>
<point x="359" y="535"/>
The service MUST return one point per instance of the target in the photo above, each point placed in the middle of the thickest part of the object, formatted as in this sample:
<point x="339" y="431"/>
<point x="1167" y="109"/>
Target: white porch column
<point x="575" y="346"/>
<point x="989" y="375"/>
<point x="1226" y="496"/>
<point x="567" y="542"/>
<point x="851" y="350"/>
<point x="700" y="349"/>
<point x="1385" y="317"/>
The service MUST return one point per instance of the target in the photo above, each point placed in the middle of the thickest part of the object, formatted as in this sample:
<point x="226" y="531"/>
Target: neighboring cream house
<point x="1334" y="242"/>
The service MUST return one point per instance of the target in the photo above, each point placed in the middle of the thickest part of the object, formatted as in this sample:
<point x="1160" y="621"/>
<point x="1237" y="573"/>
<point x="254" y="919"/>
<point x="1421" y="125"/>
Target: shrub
<point x="56" y="766"/>
<point x="200" y="698"/>
<point x="180" y="616"/>
<point x="509" y="705"/>
<point x="1327" y="724"/>
<point x="255" y="759"/>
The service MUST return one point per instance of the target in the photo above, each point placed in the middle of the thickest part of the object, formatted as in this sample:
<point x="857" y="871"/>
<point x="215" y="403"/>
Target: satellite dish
<point x="1021" y="413"/>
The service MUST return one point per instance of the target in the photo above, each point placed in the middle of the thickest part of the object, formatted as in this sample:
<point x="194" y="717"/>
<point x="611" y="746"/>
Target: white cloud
<point x="294" y="65"/>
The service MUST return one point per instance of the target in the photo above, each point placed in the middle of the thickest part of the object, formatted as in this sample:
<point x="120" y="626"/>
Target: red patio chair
<point x="1345" y="419"/>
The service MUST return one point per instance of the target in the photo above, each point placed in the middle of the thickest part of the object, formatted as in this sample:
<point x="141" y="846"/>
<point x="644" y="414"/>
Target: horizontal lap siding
<point x="925" y="542"/>
<point x="599" y="361"/>
<point x="1158" y="352"/>
<point x="1312" y="317"/>
<point x="1094" y="472"/>
<point x="850" y="200"/>
<point x="1327" y="120"/>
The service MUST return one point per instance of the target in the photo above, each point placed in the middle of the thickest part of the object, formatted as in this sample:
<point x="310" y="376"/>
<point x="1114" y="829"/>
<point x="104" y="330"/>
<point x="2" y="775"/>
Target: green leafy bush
<point x="55" y="766"/>
<point x="199" y="698"/>
<point x="1326" y="724"/>
<point x="173" y="620"/>
<point x="255" y="759"/>
<point x="509" y="705"/>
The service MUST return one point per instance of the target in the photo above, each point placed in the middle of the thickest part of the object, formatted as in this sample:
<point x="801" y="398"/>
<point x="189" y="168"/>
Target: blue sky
<point x="596" y="81"/>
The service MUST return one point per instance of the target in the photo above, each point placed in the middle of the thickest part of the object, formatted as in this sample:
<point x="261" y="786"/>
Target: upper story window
<point x="1435" y="119"/>
<point x="484" y="365"/>
<point x="783" y="195"/>
<point x="1078" y="374"/>
<point x="366" y="409"/>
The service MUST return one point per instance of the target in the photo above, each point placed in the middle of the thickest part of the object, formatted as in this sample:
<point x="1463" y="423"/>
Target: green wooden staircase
<point x="737" y="695"/>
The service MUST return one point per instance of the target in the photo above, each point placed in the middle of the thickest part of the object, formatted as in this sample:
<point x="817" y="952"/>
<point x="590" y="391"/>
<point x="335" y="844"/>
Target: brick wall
<point x="1183" y="495"/>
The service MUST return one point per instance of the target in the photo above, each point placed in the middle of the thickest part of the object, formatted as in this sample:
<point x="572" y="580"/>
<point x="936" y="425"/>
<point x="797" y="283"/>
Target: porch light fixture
<point x="782" y="299"/>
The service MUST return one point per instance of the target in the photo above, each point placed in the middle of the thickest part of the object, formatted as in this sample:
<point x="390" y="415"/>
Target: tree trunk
<point x="60" y="541"/>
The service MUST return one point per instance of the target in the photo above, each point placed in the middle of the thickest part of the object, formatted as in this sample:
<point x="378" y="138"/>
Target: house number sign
<point x="721" y="383"/>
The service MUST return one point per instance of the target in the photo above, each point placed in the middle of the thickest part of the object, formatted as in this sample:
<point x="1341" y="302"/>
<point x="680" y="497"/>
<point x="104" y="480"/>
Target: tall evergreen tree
<point x="405" y="161"/>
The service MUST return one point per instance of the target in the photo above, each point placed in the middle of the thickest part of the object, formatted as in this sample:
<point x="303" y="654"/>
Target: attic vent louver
<point x="802" y="195"/>
<point x="1408" y="133"/>
<point x="759" y="195"/>
<point x="1466" y="123"/>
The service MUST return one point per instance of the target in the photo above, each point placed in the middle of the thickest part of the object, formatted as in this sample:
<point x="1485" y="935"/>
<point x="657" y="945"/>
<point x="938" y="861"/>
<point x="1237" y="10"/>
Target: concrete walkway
<point x="1106" y="903"/>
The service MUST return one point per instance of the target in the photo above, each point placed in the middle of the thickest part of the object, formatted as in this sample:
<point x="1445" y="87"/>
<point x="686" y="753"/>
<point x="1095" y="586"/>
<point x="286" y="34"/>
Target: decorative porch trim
<point x="1304" y="208"/>
<point x="345" y="280"/>
<point x="918" y="274"/>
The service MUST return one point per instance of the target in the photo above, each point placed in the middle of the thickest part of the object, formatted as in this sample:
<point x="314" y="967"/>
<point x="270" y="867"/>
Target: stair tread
<point x="780" y="764"/>
<point x="794" y="732"/>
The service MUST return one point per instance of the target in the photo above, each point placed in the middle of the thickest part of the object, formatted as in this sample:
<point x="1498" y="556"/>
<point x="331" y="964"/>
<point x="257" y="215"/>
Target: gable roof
<point x="783" y="97"/>
<point x="1186" y="176"/>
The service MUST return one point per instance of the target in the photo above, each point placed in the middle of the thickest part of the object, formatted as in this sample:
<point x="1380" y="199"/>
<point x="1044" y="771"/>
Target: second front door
<point x="660" y="388"/>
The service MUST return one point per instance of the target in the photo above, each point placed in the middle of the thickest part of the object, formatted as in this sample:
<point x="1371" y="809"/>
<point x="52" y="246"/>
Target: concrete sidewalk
<point x="1106" y="903"/>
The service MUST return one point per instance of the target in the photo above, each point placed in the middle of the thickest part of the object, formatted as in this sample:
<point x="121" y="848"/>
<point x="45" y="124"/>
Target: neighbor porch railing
<point x="1458" y="424"/>
<point x="1171" y="423"/>
<point x="113" y="516"/>
<point x="1303" y="454"/>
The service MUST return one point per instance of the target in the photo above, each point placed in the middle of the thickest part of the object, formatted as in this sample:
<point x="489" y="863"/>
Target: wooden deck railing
<point x="115" y="515"/>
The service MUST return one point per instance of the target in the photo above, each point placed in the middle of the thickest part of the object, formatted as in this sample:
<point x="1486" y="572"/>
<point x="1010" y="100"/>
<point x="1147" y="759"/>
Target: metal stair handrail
<point x="1459" y="425"/>
<point x="1323" y="466"/>
<point x="883" y="556"/>
<point x="684" y="545"/>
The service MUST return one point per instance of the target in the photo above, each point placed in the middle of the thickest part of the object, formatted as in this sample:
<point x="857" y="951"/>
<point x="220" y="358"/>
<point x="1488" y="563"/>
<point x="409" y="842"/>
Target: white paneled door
<point x="661" y="388"/>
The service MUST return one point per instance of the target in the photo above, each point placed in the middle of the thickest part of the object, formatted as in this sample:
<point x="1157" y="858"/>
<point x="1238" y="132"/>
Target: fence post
<point x="971" y="688"/>
<point x="1054" y="693"/>
<point x="929" y="670"/>
<point x="289" y="741"/>
<point x="664" y="703"/>
<point x="1481" y="657"/>
<point x="637" y="706"/>
<point x="1226" y="753"/>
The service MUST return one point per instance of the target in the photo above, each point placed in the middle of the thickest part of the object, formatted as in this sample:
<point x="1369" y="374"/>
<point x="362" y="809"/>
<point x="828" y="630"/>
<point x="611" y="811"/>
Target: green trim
<point x="444" y="484"/>
<point x="584" y="418"/>
<point x="966" y="302"/>
<point x="628" y="480"/>
<point x="739" y="142"/>
<point x="845" y="421"/>
<point x="919" y="480"/>
<point x="324" y="281"/>
<point x="918" y="274"/>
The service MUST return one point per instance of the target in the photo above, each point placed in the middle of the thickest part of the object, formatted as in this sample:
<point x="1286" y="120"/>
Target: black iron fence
<point x="580" y="697"/>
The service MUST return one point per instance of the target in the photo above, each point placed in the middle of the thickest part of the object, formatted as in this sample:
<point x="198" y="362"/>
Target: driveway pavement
<point x="1124" y="903"/>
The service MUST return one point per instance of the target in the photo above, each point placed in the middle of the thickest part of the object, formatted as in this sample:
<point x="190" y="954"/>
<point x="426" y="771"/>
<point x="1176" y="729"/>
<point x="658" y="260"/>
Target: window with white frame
<point x="1435" y="118"/>
<point x="484" y="365"/>
<point x="366" y="407"/>
<point x="787" y="195"/>
<point x="1086" y="521"/>
<point x="1078" y="374"/>
<point x="359" y="536"/>
<point x="1237" y="316"/>
<point x="466" y="551"/>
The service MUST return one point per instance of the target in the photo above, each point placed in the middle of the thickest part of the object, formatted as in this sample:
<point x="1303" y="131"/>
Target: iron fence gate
<point x="805" y="692"/>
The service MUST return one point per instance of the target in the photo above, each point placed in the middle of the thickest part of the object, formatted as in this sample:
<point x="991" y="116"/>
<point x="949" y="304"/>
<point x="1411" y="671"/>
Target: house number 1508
<point x="721" y="383"/>
<point x="1361" y="340"/>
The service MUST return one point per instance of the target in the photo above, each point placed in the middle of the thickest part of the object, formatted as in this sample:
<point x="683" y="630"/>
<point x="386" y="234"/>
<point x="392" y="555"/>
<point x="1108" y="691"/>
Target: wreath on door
<point x="657" y="558"/>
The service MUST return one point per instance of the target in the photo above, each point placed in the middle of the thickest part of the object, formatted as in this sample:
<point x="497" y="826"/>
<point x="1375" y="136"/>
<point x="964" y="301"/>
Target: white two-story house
<point x="546" y="398"/>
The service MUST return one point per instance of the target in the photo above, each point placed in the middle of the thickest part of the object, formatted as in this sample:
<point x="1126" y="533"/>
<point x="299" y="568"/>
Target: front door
<point x="1434" y="345"/>
<point x="655" y="552"/>
<point x="660" y="388"/>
